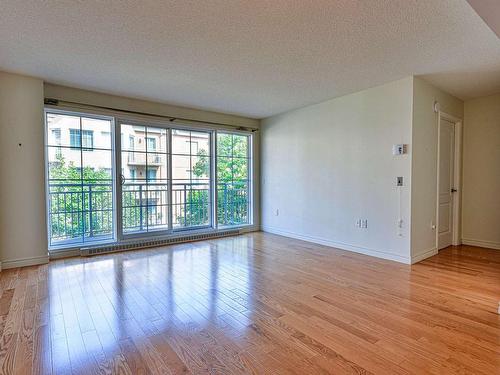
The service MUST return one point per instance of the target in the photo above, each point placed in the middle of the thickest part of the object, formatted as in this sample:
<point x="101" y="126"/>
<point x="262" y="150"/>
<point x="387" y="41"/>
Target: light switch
<point x="399" y="149"/>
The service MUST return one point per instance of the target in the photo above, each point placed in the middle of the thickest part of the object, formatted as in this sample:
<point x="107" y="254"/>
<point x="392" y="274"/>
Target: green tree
<point x="232" y="181"/>
<point x="81" y="200"/>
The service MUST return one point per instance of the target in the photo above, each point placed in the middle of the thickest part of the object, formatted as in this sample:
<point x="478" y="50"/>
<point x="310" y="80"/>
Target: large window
<point x="80" y="183"/>
<point x="169" y="179"/>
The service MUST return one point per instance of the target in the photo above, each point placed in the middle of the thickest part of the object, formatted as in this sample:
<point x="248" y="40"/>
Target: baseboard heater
<point x="154" y="242"/>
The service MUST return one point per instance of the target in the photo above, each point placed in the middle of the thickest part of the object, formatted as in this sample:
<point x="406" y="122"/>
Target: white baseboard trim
<point x="426" y="254"/>
<point x="23" y="262"/>
<point x="479" y="243"/>
<point x="338" y="245"/>
<point x="61" y="254"/>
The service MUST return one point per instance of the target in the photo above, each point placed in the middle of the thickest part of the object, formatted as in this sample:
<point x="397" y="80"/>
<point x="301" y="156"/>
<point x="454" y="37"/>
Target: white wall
<point x="481" y="172"/>
<point x="23" y="234"/>
<point x="424" y="163"/>
<point x="326" y="165"/>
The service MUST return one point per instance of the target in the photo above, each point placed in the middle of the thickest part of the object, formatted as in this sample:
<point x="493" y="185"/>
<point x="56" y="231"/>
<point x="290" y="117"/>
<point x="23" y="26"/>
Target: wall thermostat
<point x="399" y="149"/>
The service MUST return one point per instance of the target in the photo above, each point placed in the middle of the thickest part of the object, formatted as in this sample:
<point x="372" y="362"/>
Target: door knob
<point x="453" y="190"/>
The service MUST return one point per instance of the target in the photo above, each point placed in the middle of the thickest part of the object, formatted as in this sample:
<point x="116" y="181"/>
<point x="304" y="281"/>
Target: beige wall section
<point x="327" y="165"/>
<point x="424" y="163"/>
<point x="481" y="172"/>
<point x="154" y="108"/>
<point x="23" y="230"/>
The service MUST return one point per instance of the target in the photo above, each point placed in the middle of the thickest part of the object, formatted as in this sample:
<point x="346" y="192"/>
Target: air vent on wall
<point x="95" y="250"/>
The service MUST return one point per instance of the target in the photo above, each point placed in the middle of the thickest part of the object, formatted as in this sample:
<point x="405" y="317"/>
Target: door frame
<point x="457" y="178"/>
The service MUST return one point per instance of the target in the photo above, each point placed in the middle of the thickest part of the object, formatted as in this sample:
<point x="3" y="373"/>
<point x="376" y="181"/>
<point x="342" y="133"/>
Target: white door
<point x="446" y="179"/>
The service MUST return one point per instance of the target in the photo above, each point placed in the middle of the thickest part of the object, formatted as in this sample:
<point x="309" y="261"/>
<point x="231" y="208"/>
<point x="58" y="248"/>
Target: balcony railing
<point x="81" y="212"/>
<point x="139" y="158"/>
<point x="78" y="211"/>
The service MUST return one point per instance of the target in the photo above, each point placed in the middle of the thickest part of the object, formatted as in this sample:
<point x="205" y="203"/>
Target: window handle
<point x="122" y="179"/>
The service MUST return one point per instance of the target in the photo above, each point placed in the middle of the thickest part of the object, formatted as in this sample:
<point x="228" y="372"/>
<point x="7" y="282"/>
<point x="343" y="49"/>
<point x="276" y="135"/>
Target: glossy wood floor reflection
<point x="256" y="303"/>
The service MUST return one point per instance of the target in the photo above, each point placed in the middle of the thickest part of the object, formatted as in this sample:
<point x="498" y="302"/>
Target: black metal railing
<point x="80" y="210"/>
<point x="84" y="211"/>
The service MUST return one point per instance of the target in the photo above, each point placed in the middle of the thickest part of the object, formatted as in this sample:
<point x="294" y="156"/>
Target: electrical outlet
<point x="364" y="223"/>
<point x="399" y="181"/>
<point x="358" y="223"/>
<point x="277" y="213"/>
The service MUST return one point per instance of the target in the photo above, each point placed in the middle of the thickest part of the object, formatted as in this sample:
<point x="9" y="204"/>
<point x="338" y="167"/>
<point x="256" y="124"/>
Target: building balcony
<point x="139" y="159"/>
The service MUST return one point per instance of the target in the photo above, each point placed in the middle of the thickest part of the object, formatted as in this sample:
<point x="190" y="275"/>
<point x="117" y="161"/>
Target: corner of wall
<point x="424" y="163"/>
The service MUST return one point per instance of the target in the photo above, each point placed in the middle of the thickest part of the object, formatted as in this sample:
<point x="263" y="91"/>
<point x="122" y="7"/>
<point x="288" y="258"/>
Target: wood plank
<point x="252" y="304"/>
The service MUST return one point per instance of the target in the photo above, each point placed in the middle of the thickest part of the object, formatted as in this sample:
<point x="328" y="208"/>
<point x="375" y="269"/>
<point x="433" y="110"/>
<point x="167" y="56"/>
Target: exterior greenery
<point x="77" y="194"/>
<point x="232" y="182"/>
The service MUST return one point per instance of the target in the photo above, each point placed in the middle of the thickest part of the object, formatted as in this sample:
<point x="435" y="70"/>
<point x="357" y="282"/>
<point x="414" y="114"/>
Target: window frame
<point x="70" y="244"/>
<point x="250" y="178"/>
<point x="116" y="120"/>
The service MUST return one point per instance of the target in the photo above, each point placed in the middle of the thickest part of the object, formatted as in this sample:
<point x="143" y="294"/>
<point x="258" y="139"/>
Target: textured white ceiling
<point x="254" y="58"/>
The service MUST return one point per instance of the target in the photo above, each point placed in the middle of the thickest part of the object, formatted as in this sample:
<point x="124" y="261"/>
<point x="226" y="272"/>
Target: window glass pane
<point x="88" y="139"/>
<point x="158" y="140"/>
<point x="134" y="209"/>
<point x="151" y="174"/>
<point x="133" y="137"/>
<point x="200" y="168"/>
<point x="97" y="165"/>
<point x="64" y="164"/>
<point x="200" y="144"/>
<point x="224" y="144"/>
<point x="233" y="194"/>
<point x="75" y="138"/>
<point x="151" y="144"/>
<point x="240" y="146"/>
<point x="181" y="168"/>
<point x="239" y="168"/>
<point x="97" y="125"/>
<point x="58" y="129"/>
<point x="181" y="142"/>
<point x="158" y="162"/>
<point x="191" y="200"/>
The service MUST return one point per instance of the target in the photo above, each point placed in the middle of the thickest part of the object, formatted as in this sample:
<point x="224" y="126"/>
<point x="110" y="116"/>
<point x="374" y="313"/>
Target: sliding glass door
<point x="108" y="182"/>
<point x="191" y="178"/>
<point x="165" y="179"/>
<point x="144" y="179"/>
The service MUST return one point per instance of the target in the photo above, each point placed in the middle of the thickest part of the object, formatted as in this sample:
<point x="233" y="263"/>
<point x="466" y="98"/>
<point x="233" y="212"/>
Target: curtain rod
<point x="57" y="102"/>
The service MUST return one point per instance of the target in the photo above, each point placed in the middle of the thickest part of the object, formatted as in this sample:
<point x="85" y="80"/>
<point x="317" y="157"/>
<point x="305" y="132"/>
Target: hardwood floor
<point x="256" y="303"/>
